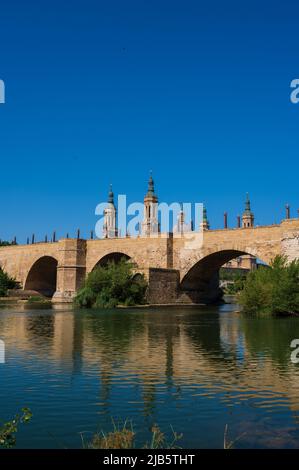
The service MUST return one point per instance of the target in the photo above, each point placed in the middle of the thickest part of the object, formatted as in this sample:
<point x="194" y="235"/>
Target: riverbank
<point x="14" y="300"/>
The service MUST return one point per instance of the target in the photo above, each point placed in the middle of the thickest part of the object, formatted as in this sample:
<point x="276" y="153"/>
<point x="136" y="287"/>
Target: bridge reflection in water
<point x="194" y="369"/>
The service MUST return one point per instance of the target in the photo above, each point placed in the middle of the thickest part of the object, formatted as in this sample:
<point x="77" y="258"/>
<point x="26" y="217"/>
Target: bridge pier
<point x="71" y="269"/>
<point x="164" y="288"/>
<point x="205" y="292"/>
<point x="163" y="285"/>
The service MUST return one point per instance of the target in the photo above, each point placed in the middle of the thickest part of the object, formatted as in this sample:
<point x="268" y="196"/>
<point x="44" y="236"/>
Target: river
<point x="196" y="369"/>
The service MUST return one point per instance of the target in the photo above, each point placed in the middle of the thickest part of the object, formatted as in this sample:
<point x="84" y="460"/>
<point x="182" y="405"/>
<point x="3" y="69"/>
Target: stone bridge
<point x="178" y="268"/>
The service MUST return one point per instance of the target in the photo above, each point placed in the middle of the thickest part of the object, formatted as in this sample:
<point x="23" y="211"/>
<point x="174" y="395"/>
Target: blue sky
<point x="100" y="92"/>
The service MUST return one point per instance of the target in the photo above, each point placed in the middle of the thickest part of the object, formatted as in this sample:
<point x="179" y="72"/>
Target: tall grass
<point x="123" y="436"/>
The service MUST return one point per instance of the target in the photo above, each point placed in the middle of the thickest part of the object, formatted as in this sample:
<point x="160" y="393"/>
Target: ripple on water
<point x="197" y="369"/>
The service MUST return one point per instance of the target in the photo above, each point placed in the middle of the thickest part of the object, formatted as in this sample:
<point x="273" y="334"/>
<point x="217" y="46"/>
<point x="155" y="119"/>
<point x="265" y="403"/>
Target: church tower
<point x="181" y="226"/>
<point x="248" y="216"/>
<point x="205" y="225"/>
<point x="150" y="224"/>
<point x="109" y="226"/>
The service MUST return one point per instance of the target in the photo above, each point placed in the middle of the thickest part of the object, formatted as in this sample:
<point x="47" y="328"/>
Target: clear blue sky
<point x="100" y="92"/>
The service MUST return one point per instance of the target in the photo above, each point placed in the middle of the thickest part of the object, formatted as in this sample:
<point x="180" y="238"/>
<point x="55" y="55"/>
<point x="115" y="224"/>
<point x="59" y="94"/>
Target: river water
<point x="195" y="369"/>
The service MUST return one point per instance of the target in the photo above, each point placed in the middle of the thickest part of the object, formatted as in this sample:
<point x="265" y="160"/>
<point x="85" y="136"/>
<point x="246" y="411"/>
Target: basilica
<point x="150" y="224"/>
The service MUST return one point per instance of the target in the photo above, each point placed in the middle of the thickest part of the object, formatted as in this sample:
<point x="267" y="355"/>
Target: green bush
<point x="111" y="285"/>
<point x="6" y="282"/>
<point x="231" y="274"/>
<point x="272" y="291"/>
<point x="38" y="299"/>
<point x="237" y="285"/>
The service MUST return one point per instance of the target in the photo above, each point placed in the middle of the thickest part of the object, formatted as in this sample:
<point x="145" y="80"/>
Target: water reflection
<point x="200" y="368"/>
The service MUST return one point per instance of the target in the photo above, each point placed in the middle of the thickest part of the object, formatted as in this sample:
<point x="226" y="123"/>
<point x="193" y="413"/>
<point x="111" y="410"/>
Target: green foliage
<point x="6" y="282"/>
<point x="8" y="430"/>
<point x="111" y="285"/>
<point x="272" y="291"/>
<point x="231" y="274"/>
<point x="237" y="285"/>
<point x="37" y="299"/>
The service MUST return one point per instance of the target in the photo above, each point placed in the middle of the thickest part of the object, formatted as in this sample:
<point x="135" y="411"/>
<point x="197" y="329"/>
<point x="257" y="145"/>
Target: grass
<point x="123" y="436"/>
<point x="229" y="444"/>
<point x="37" y="299"/>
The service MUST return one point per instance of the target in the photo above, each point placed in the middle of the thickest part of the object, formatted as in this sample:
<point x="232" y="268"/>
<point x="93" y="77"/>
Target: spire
<point x="111" y="196"/>
<point x="109" y="223"/>
<point x="247" y="205"/>
<point x="150" y="189"/>
<point x="150" y="222"/>
<point x="181" y="213"/>
<point x="248" y="216"/>
<point x="204" y="214"/>
<point x="205" y="223"/>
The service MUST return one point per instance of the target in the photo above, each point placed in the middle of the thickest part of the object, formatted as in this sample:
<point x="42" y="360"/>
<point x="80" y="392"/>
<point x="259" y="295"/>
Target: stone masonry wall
<point x="163" y="286"/>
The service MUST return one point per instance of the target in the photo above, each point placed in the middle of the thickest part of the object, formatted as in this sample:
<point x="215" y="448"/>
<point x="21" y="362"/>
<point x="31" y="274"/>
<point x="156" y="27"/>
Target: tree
<point x="236" y="284"/>
<point x="272" y="291"/>
<point x="6" y="282"/>
<point x="110" y="285"/>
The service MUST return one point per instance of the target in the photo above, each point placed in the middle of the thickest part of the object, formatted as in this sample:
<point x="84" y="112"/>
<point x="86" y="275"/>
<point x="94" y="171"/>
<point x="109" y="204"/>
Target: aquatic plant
<point x="9" y="429"/>
<point x="230" y="444"/>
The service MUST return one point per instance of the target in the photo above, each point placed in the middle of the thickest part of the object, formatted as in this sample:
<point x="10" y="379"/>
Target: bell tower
<point x="109" y="226"/>
<point x="248" y="216"/>
<point x="205" y="225"/>
<point x="181" y="226"/>
<point x="150" y="224"/>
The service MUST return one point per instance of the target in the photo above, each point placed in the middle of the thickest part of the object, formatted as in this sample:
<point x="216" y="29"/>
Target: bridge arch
<point x="42" y="276"/>
<point x="111" y="257"/>
<point x="201" y="282"/>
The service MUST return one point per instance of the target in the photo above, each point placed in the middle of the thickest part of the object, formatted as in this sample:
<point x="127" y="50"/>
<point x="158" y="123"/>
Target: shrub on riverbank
<point x="38" y="300"/>
<point x="111" y="285"/>
<point x="272" y="291"/>
<point x="6" y="282"/>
